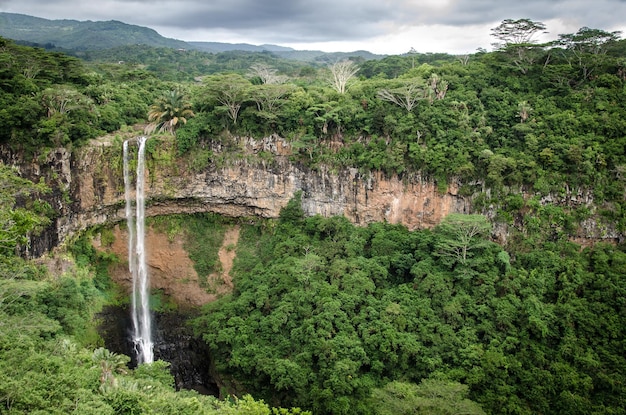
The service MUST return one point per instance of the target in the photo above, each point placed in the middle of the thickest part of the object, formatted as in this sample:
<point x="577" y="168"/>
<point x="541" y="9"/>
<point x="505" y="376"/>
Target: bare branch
<point x="267" y="74"/>
<point x="342" y="72"/>
<point x="405" y="96"/>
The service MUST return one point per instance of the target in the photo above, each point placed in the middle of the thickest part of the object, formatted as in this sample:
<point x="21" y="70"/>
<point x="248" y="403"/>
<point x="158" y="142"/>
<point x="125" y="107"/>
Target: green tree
<point x="109" y="364"/>
<point x="588" y="48"/>
<point x="516" y="40"/>
<point x="517" y="32"/>
<point x="430" y="397"/>
<point x="270" y="97"/>
<point x="225" y="93"/>
<point x="460" y="234"/>
<point x="407" y="95"/>
<point x="18" y="223"/>
<point x="169" y="111"/>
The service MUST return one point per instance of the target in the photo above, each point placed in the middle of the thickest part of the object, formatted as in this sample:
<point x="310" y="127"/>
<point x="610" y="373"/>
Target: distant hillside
<point x="329" y="57"/>
<point x="283" y="52"/>
<point x="216" y="47"/>
<point x="79" y="36"/>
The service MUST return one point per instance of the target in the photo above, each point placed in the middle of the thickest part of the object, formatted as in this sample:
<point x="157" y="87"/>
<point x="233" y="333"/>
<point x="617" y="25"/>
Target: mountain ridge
<point x="77" y="35"/>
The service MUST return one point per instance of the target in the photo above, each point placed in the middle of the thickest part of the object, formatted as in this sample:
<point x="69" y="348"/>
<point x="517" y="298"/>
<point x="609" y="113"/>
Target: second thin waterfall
<point x="135" y="219"/>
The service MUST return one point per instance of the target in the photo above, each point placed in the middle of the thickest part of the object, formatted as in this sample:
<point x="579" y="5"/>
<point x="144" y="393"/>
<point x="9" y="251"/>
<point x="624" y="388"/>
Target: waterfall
<point x="140" y="306"/>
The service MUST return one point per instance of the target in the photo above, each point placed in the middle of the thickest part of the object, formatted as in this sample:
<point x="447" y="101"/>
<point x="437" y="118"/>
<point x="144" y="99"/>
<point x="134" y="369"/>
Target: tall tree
<point x="516" y="39"/>
<point x="270" y="97"/>
<point x="587" y="47"/>
<point x="461" y="234"/>
<point x="516" y="32"/>
<point x="267" y="74"/>
<point x="341" y="74"/>
<point x="109" y="364"/>
<point x="169" y="111"/>
<point x="407" y="95"/>
<point x="437" y="87"/>
<point x="63" y="100"/>
<point x="228" y="91"/>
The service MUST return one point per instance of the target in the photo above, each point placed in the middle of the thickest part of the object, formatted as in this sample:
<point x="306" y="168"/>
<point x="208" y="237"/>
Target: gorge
<point x="92" y="187"/>
<point x="89" y="192"/>
<point x="443" y="232"/>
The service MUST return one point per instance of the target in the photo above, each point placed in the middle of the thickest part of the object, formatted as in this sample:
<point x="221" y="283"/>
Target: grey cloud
<point x="346" y="20"/>
<point x="322" y="20"/>
<point x="599" y="14"/>
<point x="293" y="21"/>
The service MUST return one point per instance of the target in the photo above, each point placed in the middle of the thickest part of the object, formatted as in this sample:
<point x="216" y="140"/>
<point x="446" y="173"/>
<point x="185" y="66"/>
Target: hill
<point x="216" y="47"/>
<point x="80" y="36"/>
<point x="282" y="51"/>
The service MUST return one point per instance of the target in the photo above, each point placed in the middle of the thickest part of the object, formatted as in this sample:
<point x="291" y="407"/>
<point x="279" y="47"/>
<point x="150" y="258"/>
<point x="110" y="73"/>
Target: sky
<point x="379" y="26"/>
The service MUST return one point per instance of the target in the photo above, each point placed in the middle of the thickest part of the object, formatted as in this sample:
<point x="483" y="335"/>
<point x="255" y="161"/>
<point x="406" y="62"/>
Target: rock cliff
<point x="257" y="181"/>
<point x="90" y="190"/>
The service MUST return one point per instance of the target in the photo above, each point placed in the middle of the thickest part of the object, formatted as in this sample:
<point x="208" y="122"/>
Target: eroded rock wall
<point x="256" y="182"/>
<point x="170" y="268"/>
<point x="242" y="188"/>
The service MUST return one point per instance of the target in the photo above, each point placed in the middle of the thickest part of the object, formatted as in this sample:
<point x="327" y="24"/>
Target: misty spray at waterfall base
<point x="174" y="342"/>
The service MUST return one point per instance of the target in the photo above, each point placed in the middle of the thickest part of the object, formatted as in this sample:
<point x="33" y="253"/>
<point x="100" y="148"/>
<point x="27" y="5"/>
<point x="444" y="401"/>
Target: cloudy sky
<point x="380" y="26"/>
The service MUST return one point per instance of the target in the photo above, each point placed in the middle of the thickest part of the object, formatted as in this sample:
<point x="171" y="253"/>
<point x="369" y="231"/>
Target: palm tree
<point x="169" y="111"/>
<point x="524" y="110"/>
<point x="109" y="363"/>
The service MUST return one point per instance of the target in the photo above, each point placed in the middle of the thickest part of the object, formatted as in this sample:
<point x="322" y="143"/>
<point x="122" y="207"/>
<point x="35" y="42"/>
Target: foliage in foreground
<point x="51" y="359"/>
<point x="326" y="314"/>
<point x="49" y="366"/>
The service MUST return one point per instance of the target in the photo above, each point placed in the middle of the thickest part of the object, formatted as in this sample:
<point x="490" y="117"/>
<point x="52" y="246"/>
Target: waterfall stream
<point x="140" y="297"/>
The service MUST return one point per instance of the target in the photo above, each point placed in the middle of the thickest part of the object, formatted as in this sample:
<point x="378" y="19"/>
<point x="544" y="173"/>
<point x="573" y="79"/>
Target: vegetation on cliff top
<point x="550" y="123"/>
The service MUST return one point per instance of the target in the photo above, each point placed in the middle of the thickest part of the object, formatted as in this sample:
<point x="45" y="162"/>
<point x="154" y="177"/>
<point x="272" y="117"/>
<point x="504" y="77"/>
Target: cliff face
<point x="89" y="189"/>
<point x="248" y="188"/>
<point x="170" y="268"/>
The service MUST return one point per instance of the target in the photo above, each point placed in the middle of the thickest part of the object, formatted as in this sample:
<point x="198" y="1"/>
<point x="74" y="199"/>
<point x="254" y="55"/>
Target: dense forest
<point x="327" y="316"/>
